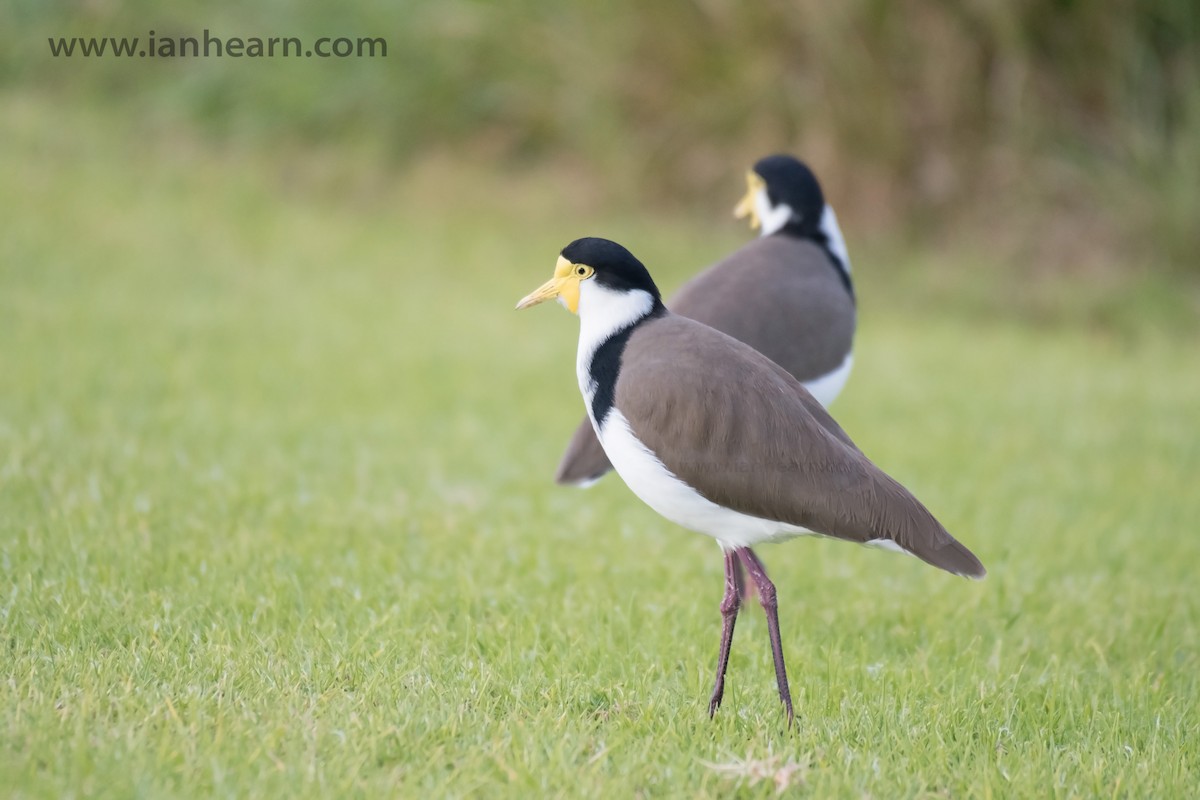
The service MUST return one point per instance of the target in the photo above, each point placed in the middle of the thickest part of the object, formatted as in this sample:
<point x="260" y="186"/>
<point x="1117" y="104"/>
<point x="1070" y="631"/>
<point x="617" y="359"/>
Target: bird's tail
<point x="950" y="555"/>
<point x="914" y="528"/>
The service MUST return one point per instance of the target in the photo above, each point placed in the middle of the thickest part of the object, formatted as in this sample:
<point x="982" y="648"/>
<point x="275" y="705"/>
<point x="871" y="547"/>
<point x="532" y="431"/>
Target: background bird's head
<point x="782" y="192"/>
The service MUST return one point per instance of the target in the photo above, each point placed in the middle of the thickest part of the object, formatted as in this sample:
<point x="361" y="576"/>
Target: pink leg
<point x="766" y="595"/>
<point x="729" y="611"/>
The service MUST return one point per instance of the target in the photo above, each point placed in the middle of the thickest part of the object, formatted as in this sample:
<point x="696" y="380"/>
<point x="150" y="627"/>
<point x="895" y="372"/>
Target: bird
<point x="787" y="294"/>
<point x="717" y="438"/>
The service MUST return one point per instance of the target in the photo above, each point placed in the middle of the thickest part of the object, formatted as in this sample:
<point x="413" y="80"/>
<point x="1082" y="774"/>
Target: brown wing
<point x="783" y="297"/>
<point x="778" y="294"/>
<point x="745" y="434"/>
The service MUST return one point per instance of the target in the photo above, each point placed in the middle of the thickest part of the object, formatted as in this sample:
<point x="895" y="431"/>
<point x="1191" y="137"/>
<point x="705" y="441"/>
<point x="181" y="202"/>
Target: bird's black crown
<point x="616" y="268"/>
<point x="790" y="181"/>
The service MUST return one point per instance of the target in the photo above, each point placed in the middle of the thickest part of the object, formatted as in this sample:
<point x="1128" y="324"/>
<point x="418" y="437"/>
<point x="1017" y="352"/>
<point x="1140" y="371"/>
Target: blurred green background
<point x="276" y="517"/>
<point x="1056" y="141"/>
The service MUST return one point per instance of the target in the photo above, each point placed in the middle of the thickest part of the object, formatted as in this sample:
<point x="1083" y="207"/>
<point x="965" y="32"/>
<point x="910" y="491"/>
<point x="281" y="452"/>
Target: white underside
<point x="658" y="488"/>
<point x="827" y="387"/>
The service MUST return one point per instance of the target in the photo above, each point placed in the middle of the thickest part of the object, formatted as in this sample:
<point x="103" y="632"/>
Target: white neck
<point x="837" y="245"/>
<point x="772" y="218"/>
<point x="603" y="312"/>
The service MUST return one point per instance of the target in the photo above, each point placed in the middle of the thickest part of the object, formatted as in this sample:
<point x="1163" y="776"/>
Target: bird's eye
<point x="581" y="271"/>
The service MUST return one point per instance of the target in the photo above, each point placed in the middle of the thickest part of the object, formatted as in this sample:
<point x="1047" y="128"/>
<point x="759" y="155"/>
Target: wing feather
<point x="746" y="435"/>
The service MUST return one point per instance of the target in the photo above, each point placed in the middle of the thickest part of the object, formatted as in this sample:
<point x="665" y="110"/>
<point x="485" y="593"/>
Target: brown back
<point x="781" y="296"/>
<point x="745" y="434"/>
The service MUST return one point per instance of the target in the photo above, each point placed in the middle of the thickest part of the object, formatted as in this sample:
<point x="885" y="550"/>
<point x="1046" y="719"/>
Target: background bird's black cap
<point x="790" y="181"/>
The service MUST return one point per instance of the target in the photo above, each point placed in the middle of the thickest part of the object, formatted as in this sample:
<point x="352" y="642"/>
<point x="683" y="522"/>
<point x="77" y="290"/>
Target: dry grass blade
<point x="752" y="771"/>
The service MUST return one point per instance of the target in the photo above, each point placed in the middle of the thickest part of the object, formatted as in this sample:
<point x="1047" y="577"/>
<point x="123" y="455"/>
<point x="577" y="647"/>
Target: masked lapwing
<point x="716" y="437"/>
<point x="787" y="294"/>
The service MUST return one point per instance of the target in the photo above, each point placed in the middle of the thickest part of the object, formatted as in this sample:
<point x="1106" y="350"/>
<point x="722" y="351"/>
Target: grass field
<point x="276" y="517"/>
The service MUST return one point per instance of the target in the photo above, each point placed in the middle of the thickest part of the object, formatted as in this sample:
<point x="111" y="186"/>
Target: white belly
<point x="658" y="488"/>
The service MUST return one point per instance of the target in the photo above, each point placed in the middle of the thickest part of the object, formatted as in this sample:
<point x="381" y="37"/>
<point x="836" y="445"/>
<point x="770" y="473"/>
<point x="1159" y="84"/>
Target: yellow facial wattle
<point x="564" y="286"/>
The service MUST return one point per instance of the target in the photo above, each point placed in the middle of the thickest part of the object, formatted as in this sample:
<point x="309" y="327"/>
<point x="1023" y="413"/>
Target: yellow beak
<point x="746" y="208"/>
<point x="564" y="286"/>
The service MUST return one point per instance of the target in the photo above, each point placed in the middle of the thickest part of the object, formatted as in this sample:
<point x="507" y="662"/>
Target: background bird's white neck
<point x="772" y="218"/>
<point x="603" y="312"/>
<point x="833" y="236"/>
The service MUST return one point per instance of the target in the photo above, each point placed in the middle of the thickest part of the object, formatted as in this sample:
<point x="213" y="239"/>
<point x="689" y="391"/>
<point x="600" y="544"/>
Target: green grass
<point x="276" y="518"/>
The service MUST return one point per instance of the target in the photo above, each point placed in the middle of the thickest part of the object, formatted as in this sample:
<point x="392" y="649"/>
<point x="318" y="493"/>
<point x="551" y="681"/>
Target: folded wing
<point x="746" y="435"/>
